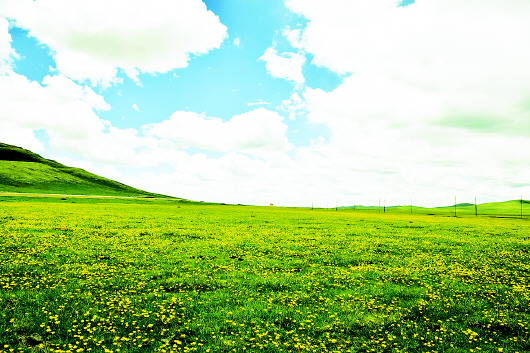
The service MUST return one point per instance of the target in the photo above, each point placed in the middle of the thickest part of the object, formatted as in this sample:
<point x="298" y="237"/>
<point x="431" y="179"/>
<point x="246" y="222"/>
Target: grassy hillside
<point x="24" y="171"/>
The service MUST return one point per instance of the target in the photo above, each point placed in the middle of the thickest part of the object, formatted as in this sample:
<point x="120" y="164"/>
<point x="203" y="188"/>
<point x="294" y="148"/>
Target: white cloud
<point x="237" y="42"/>
<point x="294" y="105"/>
<point x="91" y="40"/>
<point x="433" y="60"/>
<point x="258" y="102"/>
<point x="59" y="104"/>
<point x="256" y="131"/>
<point x="294" y="36"/>
<point x="437" y="101"/>
<point x="285" y="65"/>
<point x="16" y="135"/>
<point x="135" y="107"/>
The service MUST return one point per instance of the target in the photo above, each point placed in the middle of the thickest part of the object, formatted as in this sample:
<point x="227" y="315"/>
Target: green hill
<point x="27" y="172"/>
<point x="512" y="208"/>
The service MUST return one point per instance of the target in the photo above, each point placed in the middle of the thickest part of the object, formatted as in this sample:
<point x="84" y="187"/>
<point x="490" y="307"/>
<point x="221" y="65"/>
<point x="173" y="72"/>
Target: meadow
<point x="96" y="275"/>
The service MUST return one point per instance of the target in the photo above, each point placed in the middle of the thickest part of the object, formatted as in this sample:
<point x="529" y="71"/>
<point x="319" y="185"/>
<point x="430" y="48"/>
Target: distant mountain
<point x="24" y="171"/>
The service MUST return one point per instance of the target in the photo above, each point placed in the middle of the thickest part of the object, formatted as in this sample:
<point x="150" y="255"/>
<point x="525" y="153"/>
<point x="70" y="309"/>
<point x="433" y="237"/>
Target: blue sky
<point x="283" y="101"/>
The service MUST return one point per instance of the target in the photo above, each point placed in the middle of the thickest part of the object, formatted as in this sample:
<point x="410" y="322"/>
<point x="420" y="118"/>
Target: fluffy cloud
<point x="13" y="134"/>
<point x="91" y="40"/>
<point x="452" y="62"/>
<point x="285" y="65"/>
<point x="437" y="97"/>
<point x="59" y="104"/>
<point x="251" y="132"/>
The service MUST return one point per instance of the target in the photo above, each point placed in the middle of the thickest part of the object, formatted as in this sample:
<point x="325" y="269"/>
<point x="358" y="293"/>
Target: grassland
<point x="80" y="275"/>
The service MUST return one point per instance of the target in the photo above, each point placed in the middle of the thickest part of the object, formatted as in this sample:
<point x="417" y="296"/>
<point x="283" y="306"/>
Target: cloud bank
<point x="436" y="98"/>
<point x="93" y="40"/>
<point x="256" y="130"/>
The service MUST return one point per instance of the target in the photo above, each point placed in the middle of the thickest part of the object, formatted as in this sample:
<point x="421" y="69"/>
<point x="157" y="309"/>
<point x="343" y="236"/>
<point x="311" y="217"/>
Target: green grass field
<point x="101" y="275"/>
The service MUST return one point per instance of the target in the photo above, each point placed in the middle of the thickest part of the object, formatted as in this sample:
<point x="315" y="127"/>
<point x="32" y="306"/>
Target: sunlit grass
<point x="166" y="276"/>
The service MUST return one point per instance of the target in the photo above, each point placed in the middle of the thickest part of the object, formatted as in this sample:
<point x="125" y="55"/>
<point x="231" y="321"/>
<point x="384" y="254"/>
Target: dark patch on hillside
<point x="16" y="156"/>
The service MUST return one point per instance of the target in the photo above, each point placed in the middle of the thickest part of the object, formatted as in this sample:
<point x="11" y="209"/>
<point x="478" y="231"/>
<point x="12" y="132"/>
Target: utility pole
<point x="384" y="206"/>
<point x="476" y="210"/>
<point x="379" y="206"/>
<point x="455" y="206"/>
<point x="410" y="206"/>
<point x="521" y="206"/>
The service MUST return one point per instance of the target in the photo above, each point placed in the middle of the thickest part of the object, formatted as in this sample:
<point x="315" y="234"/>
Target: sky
<point x="290" y="102"/>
